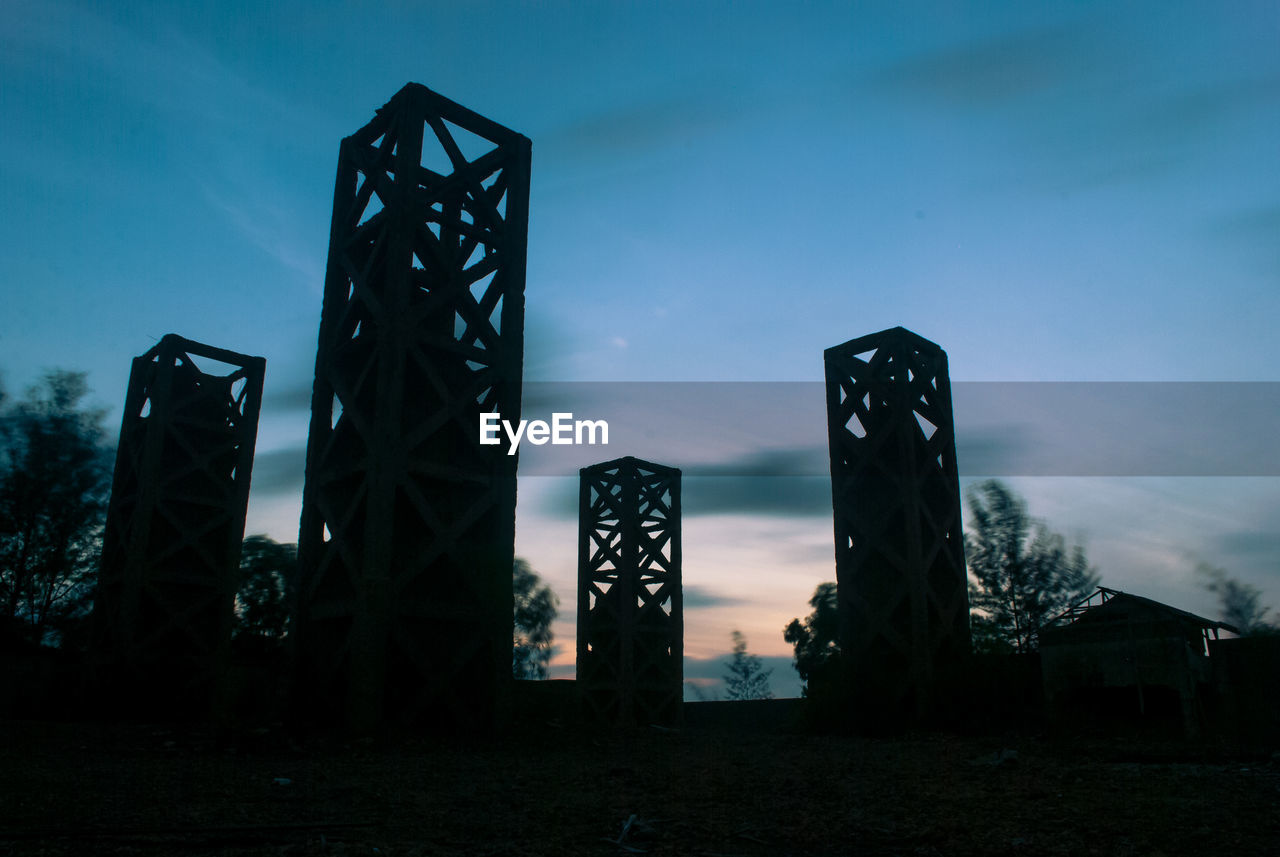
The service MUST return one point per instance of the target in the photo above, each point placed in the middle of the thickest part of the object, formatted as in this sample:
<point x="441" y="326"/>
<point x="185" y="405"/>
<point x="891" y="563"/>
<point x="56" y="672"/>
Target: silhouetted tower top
<point x="881" y="339"/>
<point x="419" y="101"/>
<point x="631" y="460"/>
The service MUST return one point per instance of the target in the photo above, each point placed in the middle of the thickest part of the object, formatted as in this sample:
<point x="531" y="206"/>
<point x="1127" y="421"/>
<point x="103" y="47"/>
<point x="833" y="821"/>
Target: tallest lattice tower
<point x="408" y="523"/>
<point x="899" y="543"/>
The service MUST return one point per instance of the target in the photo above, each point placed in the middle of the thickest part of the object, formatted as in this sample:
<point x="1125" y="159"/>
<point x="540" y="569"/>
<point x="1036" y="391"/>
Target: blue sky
<point x="1051" y="191"/>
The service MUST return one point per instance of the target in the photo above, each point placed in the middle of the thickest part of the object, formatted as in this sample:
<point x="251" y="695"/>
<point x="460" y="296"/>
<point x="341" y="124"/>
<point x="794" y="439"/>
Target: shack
<point x="1126" y="656"/>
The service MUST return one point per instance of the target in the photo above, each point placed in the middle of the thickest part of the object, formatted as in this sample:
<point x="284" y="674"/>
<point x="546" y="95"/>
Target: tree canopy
<point x="1021" y="574"/>
<point x="266" y="577"/>
<point x="55" y="479"/>
<point x="1241" y="603"/>
<point x="816" y="638"/>
<point x="535" y="610"/>
<point x="747" y="678"/>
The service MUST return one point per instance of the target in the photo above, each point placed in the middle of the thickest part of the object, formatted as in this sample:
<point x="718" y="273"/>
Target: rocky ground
<point x="148" y="790"/>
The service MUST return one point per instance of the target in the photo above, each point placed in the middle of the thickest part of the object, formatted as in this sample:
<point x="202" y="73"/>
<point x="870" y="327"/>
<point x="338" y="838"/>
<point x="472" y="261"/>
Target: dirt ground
<point x="147" y="790"/>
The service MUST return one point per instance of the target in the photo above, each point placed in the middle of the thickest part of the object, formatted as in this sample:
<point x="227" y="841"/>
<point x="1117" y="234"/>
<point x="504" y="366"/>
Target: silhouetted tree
<point x="1020" y="573"/>
<point x="747" y="678"/>
<point x="55" y="479"/>
<point x="1241" y="603"/>
<point x="266" y="575"/>
<point x="816" y="639"/>
<point x="535" y="610"/>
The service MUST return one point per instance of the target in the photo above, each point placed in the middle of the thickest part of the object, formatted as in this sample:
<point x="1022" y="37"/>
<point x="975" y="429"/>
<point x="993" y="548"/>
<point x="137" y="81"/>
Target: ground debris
<point x="701" y="792"/>
<point x="1000" y="757"/>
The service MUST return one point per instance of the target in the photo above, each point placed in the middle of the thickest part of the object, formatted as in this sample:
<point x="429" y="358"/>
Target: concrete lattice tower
<point x="630" y="602"/>
<point x="404" y="608"/>
<point x="171" y="548"/>
<point x="903" y="598"/>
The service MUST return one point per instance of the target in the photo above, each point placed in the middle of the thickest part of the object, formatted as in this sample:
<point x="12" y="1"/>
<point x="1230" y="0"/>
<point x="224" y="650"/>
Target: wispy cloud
<point x="1249" y="547"/>
<point x="1205" y="107"/>
<point x="200" y="116"/>
<point x="1251" y="231"/>
<point x="699" y="597"/>
<point x="288" y="398"/>
<point x="152" y="60"/>
<point x="778" y="461"/>
<point x="989" y="72"/>
<point x="642" y="125"/>
<point x="271" y="228"/>
<point x="990" y="449"/>
<point x="1079" y="106"/>
<point x="774" y="496"/>
<point x="771" y="483"/>
<point x="279" y="471"/>
<point x="1257" y="222"/>
<point x="1252" y="544"/>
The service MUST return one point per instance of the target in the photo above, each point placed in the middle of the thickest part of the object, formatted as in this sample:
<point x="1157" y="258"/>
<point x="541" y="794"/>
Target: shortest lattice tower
<point x="630" y="605"/>
<point x="171" y="549"/>
<point x="903" y="598"/>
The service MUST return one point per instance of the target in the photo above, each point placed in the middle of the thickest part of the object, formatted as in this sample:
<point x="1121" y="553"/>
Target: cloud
<point x="1252" y="233"/>
<point x="700" y="597"/>
<point x="990" y="449"/>
<point x="793" y="461"/>
<point x="1193" y="111"/>
<point x="1249" y="544"/>
<point x="280" y="471"/>
<point x="292" y="397"/>
<point x="989" y="72"/>
<point x="276" y="230"/>
<point x="1252" y="223"/>
<point x="551" y="348"/>
<point x="1149" y="132"/>
<point x="1116" y="428"/>
<point x="1252" y="544"/>
<point x="774" y="496"/>
<point x="154" y="62"/>
<point x="1081" y="106"/>
<point x="641" y="125"/>
<point x="763" y="483"/>
<point x="157" y="79"/>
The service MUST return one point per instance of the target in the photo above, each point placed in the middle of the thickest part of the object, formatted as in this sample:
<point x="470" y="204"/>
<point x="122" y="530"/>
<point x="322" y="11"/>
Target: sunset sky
<point x="1066" y="192"/>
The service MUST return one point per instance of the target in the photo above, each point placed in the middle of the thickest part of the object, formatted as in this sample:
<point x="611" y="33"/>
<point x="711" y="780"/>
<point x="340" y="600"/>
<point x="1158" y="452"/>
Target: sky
<point x="1052" y="192"/>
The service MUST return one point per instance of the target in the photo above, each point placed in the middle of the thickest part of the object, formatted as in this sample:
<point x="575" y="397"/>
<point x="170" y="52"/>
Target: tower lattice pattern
<point x="903" y="599"/>
<point x="171" y="550"/>
<point x="408" y="523"/>
<point x="630" y="605"/>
